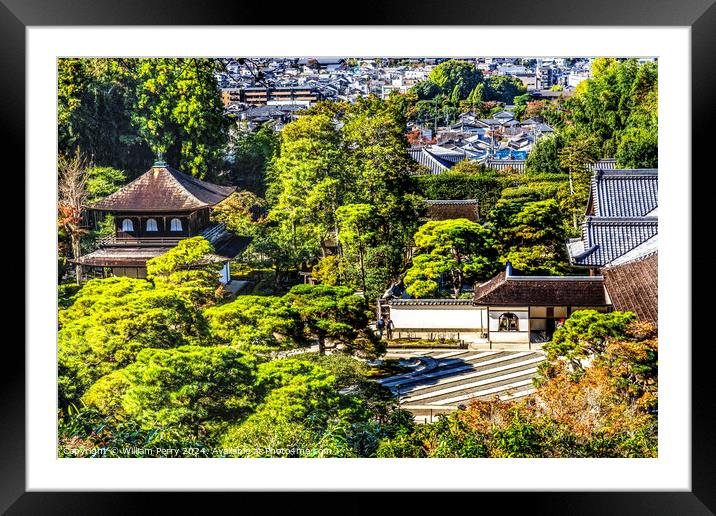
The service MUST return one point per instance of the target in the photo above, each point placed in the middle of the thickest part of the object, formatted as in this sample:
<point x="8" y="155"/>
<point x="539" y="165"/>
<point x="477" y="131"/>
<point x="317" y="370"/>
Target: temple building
<point x="619" y="247"/>
<point x="620" y="238"/>
<point x="509" y="311"/>
<point x="622" y="215"/>
<point x="151" y="215"/>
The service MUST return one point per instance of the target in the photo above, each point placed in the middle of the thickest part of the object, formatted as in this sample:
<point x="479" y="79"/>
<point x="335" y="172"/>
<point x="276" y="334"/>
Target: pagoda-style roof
<point x="164" y="189"/>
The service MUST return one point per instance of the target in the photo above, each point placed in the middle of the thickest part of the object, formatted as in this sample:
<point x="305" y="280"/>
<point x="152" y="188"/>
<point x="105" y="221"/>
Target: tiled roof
<point x="530" y="121"/>
<point x="541" y="290"/>
<point x="122" y="256"/>
<point x="226" y="244"/>
<point x="437" y="159"/>
<point x="503" y="114"/>
<point x="604" y="239"/>
<point x="502" y="164"/>
<point x="430" y="302"/>
<point x="623" y="192"/>
<point x="605" y="163"/>
<point x="450" y="154"/>
<point x="646" y="248"/>
<point x="634" y="287"/>
<point x="425" y="158"/>
<point x="163" y="188"/>
<point x="457" y="209"/>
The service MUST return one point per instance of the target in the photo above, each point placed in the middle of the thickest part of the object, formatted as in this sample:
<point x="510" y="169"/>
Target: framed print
<point x="416" y="253"/>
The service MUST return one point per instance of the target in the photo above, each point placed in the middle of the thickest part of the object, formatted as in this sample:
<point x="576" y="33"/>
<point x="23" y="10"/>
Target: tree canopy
<point x="459" y="248"/>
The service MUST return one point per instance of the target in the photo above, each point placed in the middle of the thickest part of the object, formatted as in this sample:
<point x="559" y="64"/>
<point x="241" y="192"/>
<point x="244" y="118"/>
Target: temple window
<point x="175" y="225"/>
<point x="508" y="322"/>
<point x="127" y="225"/>
<point x="152" y="225"/>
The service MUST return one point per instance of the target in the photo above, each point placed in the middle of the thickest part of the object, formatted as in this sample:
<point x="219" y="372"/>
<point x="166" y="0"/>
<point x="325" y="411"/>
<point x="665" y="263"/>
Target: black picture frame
<point x="699" y="15"/>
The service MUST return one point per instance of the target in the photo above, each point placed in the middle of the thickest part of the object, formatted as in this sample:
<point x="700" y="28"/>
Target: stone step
<point x="439" y="364"/>
<point x="465" y="378"/>
<point x="486" y="393"/>
<point x="476" y="363"/>
<point x="472" y="386"/>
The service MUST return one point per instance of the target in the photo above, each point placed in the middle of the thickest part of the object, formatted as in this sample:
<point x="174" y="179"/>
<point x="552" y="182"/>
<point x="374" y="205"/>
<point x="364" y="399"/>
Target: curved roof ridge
<point x="205" y="185"/>
<point x="162" y="188"/>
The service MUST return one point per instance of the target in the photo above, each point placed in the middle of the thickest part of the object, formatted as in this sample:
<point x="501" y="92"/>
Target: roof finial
<point x="159" y="162"/>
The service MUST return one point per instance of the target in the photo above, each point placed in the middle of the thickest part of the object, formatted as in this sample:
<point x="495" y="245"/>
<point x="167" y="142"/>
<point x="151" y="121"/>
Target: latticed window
<point x="127" y="225"/>
<point x="175" y="225"/>
<point x="509" y="322"/>
<point x="152" y="225"/>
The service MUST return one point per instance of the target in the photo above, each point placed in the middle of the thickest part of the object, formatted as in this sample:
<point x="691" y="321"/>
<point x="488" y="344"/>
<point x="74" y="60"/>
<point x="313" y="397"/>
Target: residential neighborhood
<point x="358" y="257"/>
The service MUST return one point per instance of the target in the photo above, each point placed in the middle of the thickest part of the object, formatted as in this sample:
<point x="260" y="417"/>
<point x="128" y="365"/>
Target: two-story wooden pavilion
<point x="152" y="214"/>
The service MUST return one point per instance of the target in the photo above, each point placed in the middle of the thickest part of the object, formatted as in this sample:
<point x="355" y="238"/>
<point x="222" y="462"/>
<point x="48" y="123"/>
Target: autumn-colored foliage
<point x="607" y="408"/>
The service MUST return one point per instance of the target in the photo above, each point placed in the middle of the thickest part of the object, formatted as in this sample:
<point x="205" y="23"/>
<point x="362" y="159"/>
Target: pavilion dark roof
<point x="541" y="291"/>
<point x="441" y="209"/>
<point x="604" y="239"/>
<point x="623" y="192"/>
<point x="164" y="189"/>
<point x="633" y="287"/>
<point x="124" y="256"/>
<point x="226" y="244"/>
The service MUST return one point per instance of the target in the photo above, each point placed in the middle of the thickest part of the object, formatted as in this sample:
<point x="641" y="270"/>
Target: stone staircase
<point x="454" y="377"/>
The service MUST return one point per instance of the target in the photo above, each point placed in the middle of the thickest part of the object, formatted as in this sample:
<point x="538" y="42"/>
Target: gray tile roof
<point x="504" y="114"/>
<point x="433" y="163"/>
<point x="437" y="159"/>
<point x="623" y="192"/>
<point x="226" y="244"/>
<point x="502" y="164"/>
<point x="605" y="163"/>
<point x="431" y="302"/>
<point x="646" y="248"/>
<point x="604" y="239"/>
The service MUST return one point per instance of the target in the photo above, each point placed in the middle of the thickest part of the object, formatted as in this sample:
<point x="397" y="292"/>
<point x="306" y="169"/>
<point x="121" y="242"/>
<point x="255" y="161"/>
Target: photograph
<point x="357" y="257"/>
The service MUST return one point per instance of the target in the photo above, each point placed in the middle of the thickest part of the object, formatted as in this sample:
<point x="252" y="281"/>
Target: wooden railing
<point x="114" y="241"/>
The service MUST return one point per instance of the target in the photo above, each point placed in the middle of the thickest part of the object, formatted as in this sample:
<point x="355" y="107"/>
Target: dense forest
<point x="173" y="360"/>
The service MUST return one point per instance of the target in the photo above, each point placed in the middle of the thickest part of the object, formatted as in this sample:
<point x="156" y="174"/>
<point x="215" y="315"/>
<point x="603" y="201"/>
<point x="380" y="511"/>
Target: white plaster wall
<point x="438" y="317"/>
<point x="470" y="337"/>
<point x="225" y="274"/>
<point x="515" y="337"/>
